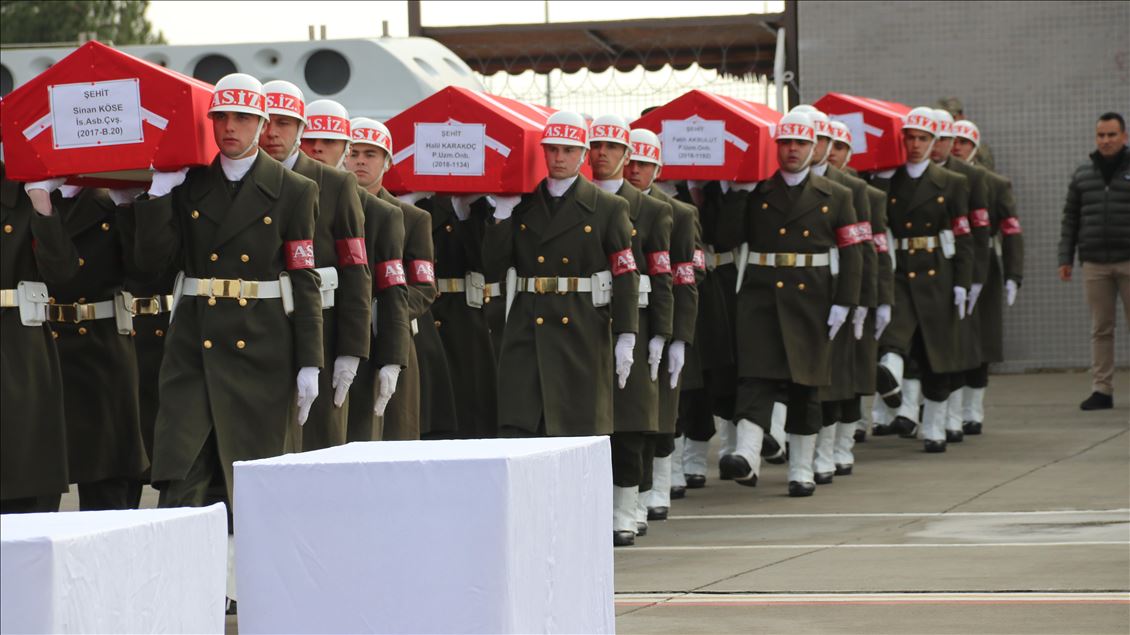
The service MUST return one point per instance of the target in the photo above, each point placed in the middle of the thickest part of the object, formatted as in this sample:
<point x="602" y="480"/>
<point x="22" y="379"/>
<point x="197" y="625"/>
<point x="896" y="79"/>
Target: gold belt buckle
<point x="784" y="260"/>
<point x="227" y="288"/>
<point x="545" y="285"/>
<point x="145" y="306"/>
<point x="65" y="313"/>
<point x="920" y="242"/>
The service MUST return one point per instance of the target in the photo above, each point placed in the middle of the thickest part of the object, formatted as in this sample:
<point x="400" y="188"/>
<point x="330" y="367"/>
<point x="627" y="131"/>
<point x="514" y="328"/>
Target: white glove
<point x="836" y="318"/>
<point x="739" y="186"/>
<point x="695" y="185"/>
<point x="49" y="185"/>
<point x="462" y="204"/>
<point x="345" y="369"/>
<point x="858" y="317"/>
<point x="307" y="391"/>
<point x="126" y="196"/>
<point x="503" y="205"/>
<point x="676" y="358"/>
<point x="625" y="344"/>
<point x="974" y="293"/>
<point x="387" y="377"/>
<point x="1010" y="289"/>
<point x="70" y="191"/>
<point x="960" y="295"/>
<point x="882" y="319"/>
<point x="164" y="182"/>
<point x="655" y="355"/>
<point x="414" y="197"/>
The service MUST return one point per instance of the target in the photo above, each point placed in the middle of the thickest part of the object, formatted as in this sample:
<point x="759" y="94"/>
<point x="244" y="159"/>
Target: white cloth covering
<point x="136" y="571"/>
<point x="469" y="536"/>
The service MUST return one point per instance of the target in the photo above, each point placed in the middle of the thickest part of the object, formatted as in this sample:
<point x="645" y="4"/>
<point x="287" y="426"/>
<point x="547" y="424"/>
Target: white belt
<point x="451" y="285"/>
<point x="80" y="312"/>
<point x="918" y="242"/>
<point x="554" y="285"/>
<point x="233" y="289"/>
<point x="9" y="299"/>
<point x="789" y="260"/>
<point x="645" y="289"/>
<point x="715" y="260"/>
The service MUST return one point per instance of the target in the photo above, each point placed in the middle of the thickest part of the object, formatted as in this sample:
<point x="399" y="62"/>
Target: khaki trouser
<point x="1103" y="284"/>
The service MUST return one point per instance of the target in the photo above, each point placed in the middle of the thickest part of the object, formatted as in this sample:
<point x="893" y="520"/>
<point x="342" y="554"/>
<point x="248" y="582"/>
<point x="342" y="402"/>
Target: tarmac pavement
<point x="1024" y="529"/>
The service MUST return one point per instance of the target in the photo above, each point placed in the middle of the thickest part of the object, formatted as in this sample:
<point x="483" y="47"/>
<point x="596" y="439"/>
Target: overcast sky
<point x="225" y="22"/>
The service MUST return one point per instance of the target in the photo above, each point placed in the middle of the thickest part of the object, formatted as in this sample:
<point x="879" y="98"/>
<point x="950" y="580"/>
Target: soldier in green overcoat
<point x="93" y="325"/>
<point x="390" y="335"/>
<point x="34" y="249"/>
<point x="643" y="168"/>
<point x="927" y="210"/>
<point x="321" y="130"/>
<point x="566" y="245"/>
<point x="1005" y="273"/>
<point x="241" y="230"/>
<point x="802" y="274"/>
<point x="635" y="411"/>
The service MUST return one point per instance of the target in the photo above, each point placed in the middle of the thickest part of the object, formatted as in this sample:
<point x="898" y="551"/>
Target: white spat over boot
<point x="624" y="515"/>
<point x="934" y="425"/>
<point x="745" y="462"/>
<point x="954" y="433"/>
<point x="802" y="452"/>
<point x="845" y="444"/>
<point x="678" y="476"/>
<point x="658" y="498"/>
<point x="973" y="409"/>
<point x="727" y="442"/>
<point x="906" y="423"/>
<point x="823" y="462"/>
<point x="694" y="462"/>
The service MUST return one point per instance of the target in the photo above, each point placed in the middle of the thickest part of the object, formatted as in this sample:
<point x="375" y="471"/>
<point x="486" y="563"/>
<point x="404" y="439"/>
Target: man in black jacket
<point x="1096" y="221"/>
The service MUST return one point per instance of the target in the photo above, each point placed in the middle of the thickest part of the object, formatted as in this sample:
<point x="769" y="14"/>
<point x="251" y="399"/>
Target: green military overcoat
<point x="635" y="408"/>
<point x="33" y="444"/>
<point x="231" y="368"/>
<point x="390" y="335"/>
<point x="1006" y="262"/>
<point x="925" y="278"/>
<point x="685" y="240"/>
<point x="782" y="312"/>
<point x="462" y="328"/>
<point x="410" y="412"/>
<point x="100" y="376"/>
<point x="978" y="196"/>
<point x="339" y="239"/>
<point x="556" y="364"/>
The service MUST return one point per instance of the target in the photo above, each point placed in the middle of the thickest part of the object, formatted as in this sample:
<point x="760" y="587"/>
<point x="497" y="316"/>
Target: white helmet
<point x="327" y="119"/>
<point x="284" y="98"/>
<point x="238" y="92"/>
<point x="645" y="146"/>
<point x="611" y="128"/>
<point x="566" y="129"/>
<point x="820" y="122"/>
<point x="921" y="118"/>
<point x="967" y="130"/>
<point x="804" y="108"/>
<point x="840" y="132"/>
<point x="371" y="132"/>
<point x="945" y="122"/>
<point x="796" y="125"/>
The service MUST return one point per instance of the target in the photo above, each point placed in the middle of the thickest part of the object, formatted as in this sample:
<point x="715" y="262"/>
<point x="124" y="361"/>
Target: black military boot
<point x="971" y="427"/>
<point x="906" y="428"/>
<point x="955" y="436"/>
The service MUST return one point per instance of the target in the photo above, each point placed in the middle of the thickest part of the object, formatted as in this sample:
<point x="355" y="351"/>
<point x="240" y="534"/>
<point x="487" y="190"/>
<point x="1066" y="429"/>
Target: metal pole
<point x="779" y="70"/>
<point x="414" y="27"/>
<point x="548" y="86"/>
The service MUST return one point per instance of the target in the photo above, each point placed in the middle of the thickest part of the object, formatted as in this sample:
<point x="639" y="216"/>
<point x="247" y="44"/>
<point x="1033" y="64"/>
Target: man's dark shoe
<point x="860" y="435"/>
<point x="906" y="428"/>
<point x="230" y="609"/>
<point x="823" y="478"/>
<point x="800" y="490"/>
<point x="955" y="436"/>
<point x="843" y="469"/>
<point x="971" y="427"/>
<point x="882" y="430"/>
<point x="678" y="492"/>
<point x="725" y="469"/>
<point x="934" y="447"/>
<point x="1097" y="401"/>
<point x="623" y="539"/>
<point x="695" y="481"/>
<point x="657" y="513"/>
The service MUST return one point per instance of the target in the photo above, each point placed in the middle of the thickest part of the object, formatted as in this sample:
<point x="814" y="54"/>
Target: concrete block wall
<point x="1034" y="76"/>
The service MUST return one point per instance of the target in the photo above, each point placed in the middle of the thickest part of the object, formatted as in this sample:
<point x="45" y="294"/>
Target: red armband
<point x="1010" y="226"/>
<point x="853" y="234"/>
<point x="881" y="244"/>
<point x="699" y="260"/>
<point x="622" y="262"/>
<point x="684" y="273"/>
<point x="658" y="262"/>
<point x="351" y="251"/>
<point x="979" y="217"/>
<point x="299" y="254"/>
<point x="961" y="226"/>
<point x="389" y="273"/>
<point x="421" y="272"/>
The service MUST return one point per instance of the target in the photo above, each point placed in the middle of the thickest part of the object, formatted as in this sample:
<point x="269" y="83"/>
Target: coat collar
<point x="260" y="190"/>
<point x="629" y="192"/>
<point x="813" y="195"/>
<point x="309" y="168"/>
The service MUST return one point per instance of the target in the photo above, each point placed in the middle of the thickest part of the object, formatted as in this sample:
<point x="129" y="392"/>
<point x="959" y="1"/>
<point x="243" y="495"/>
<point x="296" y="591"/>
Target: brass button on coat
<point x="7" y="229"/>
<point x="565" y="320"/>
<point x="633" y="231"/>
<point x="243" y="302"/>
<point x="539" y="321"/>
<point x="266" y="220"/>
<point x="910" y="252"/>
<point x="782" y="231"/>
<point x="824" y="209"/>
<point x="159" y="333"/>
<point x="565" y="260"/>
<point x="55" y="334"/>
<point x="912" y="275"/>
<point x="931" y="272"/>
<point x="806" y="233"/>
<point x="588" y="229"/>
<point x="893" y="199"/>
<point x="438" y="324"/>
<point x="800" y="286"/>
<point x="214" y="257"/>
<point x="909" y="224"/>
<point x="522" y="227"/>
<point x="449" y="228"/>
<point x="780" y="285"/>
<point x="81" y="262"/>
<point x="82" y="330"/>
<point x="195" y="214"/>
<point x="541" y="258"/>
<point x="765" y="206"/>
<point x="105" y="227"/>
<point x="240" y="344"/>
<point x="207" y="343"/>
<point x="941" y="199"/>
<point x="211" y="301"/>
<point x="245" y="258"/>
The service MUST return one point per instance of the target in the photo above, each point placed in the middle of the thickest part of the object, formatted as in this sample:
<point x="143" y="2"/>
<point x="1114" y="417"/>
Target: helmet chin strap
<point x="341" y="159"/>
<point x="297" y="140"/>
<point x="827" y="152"/>
<point x="254" y="140"/>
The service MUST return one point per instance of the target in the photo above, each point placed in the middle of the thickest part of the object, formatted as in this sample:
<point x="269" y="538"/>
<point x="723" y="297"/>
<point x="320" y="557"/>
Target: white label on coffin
<point x="859" y="130"/>
<point x="694" y="141"/>
<point x="450" y="149"/>
<point x="93" y="114"/>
